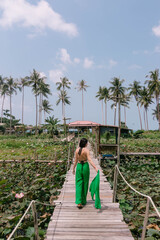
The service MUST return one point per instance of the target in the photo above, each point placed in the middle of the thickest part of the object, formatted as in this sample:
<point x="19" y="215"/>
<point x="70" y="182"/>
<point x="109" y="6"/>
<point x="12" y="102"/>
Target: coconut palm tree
<point x="62" y="97"/>
<point x="81" y="86"/>
<point x="62" y="85"/>
<point x="35" y="78"/>
<point x="12" y="88"/>
<point x="154" y="88"/>
<point x="100" y="96"/>
<point x="116" y="90"/>
<point x="43" y="91"/>
<point x="46" y="107"/>
<point x="155" y="112"/>
<point x="135" y="90"/>
<point x="106" y="97"/>
<point x="52" y="125"/>
<point x="145" y="100"/>
<point x="23" y="83"/>
<point x="125" y="103"/>
<point x="3" y="92"/>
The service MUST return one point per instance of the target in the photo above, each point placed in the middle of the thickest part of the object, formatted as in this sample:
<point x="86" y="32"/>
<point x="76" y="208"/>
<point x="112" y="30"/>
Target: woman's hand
<point x="96" y="169"/>
<point x="73" y="171"/>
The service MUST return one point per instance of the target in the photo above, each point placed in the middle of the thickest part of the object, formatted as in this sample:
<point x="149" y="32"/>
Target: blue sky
<point x="94" y="40"/>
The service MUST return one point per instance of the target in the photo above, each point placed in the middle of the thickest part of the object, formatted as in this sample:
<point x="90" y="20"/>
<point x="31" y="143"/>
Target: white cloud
<point x="112" y="63"/>
<point x="157" y="49"/>
<point x="87" y="63"/>
<point x="135" y="66"/>
<point x="55" y="75"/>
<point x="39" y="17"/>
<point x="135" y="52"/>
<point x="76" y="60"/>
<point x="101" y="66"/>
<point x="156" y="30"/>
<point x="42" y="75"/>
<point x="64" y="56"/>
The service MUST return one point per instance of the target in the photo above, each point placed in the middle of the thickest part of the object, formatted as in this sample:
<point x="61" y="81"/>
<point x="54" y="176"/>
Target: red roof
<point x="83" y="124"/>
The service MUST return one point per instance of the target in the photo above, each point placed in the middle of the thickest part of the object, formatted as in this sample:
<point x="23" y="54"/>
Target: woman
<point x="82" y="172"/>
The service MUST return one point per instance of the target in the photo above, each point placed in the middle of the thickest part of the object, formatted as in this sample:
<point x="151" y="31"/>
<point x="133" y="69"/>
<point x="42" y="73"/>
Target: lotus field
<point x="21" y="182"/>
<point x="143" y="174"/>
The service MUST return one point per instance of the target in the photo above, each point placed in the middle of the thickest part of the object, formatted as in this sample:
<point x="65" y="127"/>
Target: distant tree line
<point x="143" y="96"/>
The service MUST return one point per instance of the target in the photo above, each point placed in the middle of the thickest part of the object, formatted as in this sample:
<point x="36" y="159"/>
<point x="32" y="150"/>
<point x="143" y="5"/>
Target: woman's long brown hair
<point x="82" y="144"/>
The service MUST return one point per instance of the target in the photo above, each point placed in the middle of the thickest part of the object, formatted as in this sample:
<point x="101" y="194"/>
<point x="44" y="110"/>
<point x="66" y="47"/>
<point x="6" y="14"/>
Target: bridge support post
<point x="35" y="219"/>
<point x="115" y="184"/>
<point x="145" y="220"/>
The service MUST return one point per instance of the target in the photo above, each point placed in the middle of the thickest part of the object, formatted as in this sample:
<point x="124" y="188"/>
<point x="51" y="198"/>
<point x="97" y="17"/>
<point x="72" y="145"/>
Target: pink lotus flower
<point x="49" y="163"/>
<point x="21" y="195"/>
<point x="37" y="174"/>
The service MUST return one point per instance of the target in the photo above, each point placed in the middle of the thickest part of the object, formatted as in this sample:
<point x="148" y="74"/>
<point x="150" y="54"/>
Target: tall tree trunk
<point x="40" y="108"/>
<point x="10" y="112"/>
<point x="157" y="102"/>
<point x="115" y="110"/>
<point x="144" y="118"/>
<point x="82" y="107"/>
<point x="62" y="112"/>
<point x="125" y="115"/>
<point x="44" y="116"/>
<point x="147" y="119"/>
<point x="139" y="116"/>
<point x="2" y="108"/>
<point x="102" y="114"/>
<point x="105" y="112"/>
<point x="36" y="114"/>
<point x="22" y="102"/>
<point x="41" y="119"/>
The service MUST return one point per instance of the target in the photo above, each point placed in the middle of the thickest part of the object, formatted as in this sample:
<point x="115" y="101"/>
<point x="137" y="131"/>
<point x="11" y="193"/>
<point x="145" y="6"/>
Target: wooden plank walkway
<point x="68" y="222"/>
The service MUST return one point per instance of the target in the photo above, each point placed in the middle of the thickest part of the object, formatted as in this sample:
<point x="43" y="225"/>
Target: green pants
<point x="82" y="181"/>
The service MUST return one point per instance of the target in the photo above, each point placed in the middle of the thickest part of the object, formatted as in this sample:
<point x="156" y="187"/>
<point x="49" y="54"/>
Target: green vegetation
<point x="144" y="175"/>
<point x="21" y="182"/>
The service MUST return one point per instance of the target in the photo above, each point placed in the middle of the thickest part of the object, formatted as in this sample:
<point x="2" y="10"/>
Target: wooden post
<point x="68" y="157"/>
<point x="145" y="219"/>
<point x="35" y="219"/>
<point x="118" y="152"/>
<point x="119" y="131"/>
<point x="115" y="184"/>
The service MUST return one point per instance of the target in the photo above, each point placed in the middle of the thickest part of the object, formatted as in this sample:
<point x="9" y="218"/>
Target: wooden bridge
<point x="68" y="222"/>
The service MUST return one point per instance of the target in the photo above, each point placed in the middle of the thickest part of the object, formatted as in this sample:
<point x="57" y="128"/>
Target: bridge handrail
<point x="143" y="195"/>
<point x="149" y="199"/>
<point x="32" y="205"/>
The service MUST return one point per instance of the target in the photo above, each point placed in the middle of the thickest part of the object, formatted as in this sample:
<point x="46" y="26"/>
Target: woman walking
<point x="82" y="157"/>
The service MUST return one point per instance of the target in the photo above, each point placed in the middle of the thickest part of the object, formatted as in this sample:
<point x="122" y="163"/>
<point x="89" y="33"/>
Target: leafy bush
<point x="138" y="133"/>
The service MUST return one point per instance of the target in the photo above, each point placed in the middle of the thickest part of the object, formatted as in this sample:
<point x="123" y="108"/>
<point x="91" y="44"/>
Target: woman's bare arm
<point x="90" y="161"/>
<point x="75" y="162"/>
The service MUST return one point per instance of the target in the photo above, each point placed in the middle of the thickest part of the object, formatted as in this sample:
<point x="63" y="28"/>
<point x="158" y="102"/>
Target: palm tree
<point x="117" y="90"/>
<point x="3" y="92"/>
<point x="35" y="78"/>
<point x="145" y="100"/>
<point x="62" y="85"/>
<point x="24" y="83"/>
<point x="100" y="97"/>
<point x="52" y="124"/>
<point x="125" y="103"/>
<point x="46" y="107"/>
<point x="43" y="91"/>
<point x="155" y="112"/>
<point x="135" y="90"/>
<point x="81" y="86"/>
<point x="12" y="86"/>
<point x="106" y="97"/>
<point x="62" y="97"/>
<point x="154" y="88"/>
